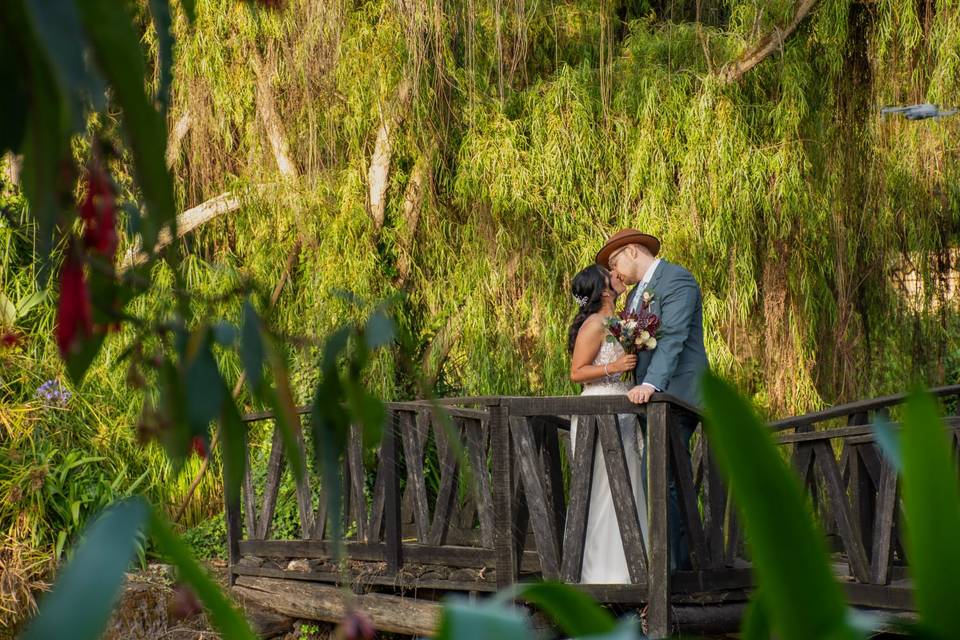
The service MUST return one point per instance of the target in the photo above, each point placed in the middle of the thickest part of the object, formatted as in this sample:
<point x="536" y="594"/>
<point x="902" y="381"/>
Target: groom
<point x="678" y="361"/>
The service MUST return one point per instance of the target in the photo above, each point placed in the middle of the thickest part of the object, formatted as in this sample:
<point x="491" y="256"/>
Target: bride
<point x="597" y="364"/>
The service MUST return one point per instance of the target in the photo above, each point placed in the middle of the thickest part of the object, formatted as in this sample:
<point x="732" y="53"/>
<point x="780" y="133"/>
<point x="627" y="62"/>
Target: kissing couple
<point x="665" y="298"/>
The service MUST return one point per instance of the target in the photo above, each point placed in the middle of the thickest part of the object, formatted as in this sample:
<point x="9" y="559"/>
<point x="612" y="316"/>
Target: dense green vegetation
<point x="516" y="136"/>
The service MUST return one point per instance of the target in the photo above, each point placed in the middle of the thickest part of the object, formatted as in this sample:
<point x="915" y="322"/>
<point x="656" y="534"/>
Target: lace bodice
<point x="610" y="350"/>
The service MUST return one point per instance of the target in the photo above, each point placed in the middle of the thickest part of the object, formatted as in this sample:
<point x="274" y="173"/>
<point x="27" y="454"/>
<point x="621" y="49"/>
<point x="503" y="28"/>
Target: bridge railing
<point x="495" y="490"/>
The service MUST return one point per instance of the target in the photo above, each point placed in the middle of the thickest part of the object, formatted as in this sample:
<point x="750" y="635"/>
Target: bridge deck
<point x="486" y="492"/>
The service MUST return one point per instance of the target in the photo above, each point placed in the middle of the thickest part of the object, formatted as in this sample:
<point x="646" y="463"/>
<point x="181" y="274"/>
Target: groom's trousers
<point x="676" y="528"/>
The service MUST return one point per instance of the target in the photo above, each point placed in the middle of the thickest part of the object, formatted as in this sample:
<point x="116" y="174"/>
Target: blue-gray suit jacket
<point x="679" y="359"/>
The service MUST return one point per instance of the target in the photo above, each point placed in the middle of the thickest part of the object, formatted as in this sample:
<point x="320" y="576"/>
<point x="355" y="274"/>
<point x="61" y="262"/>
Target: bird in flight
<point x="919" y="111"/>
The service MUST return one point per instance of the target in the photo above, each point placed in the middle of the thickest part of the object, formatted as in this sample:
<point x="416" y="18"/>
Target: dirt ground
<point x="152" y="608"/>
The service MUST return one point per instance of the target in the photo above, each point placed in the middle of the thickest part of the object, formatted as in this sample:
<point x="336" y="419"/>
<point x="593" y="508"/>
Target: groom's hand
<point x="641" y="394"/>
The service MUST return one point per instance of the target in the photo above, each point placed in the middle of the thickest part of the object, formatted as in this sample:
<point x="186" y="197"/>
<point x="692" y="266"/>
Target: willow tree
<point x="472" y="155"/>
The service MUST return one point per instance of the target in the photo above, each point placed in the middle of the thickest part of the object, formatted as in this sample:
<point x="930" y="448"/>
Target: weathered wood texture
<point x="314" y="601"/>
<point x="502" y="504"/>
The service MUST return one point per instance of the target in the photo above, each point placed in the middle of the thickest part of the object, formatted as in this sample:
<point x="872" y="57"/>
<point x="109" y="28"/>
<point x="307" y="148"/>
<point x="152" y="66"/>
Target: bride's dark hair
<point x="588" y="287"/>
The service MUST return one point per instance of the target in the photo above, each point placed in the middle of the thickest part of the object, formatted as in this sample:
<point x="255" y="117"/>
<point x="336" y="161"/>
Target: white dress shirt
<point x="635" y="303"/>
<point x="647" y="277"/>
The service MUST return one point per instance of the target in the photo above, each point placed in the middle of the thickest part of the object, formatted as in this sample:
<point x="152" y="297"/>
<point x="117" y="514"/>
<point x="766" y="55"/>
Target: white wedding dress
<point x="603" y="559"/>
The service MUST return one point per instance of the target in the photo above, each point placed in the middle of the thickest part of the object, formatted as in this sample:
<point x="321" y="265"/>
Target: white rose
<point x="644" y="336"/>
<point x="651" y="343"/>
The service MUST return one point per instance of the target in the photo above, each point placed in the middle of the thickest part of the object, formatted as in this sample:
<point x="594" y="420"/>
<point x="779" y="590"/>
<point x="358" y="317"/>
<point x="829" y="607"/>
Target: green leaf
<point x="79" y="361"/>
<point x="463" y="620"/>
<point x="117" y="48"/>
<point x="889" y="442"/>
<point x="573" y="611"/>
<point x="628" y="628"/>
<point x="44" y="148"/>
<point x="251" y="347"/>
<point x="190" y="8"/>
<point x="162" y="22"/>
<point x="285" y="411"/>
<point x="233" y="440"/>
<point x="224" y="333"/>
<point x="25" y="305"/>
<point x="14" y="99"/>
<point x="931" y="506"/>
<point x="369" y="410"/>
<point x="8" y="312"/>
<point x="379" y="330"/>
<point x="224" y="616"/>
<point x="756" y="619"/>
<point x="61" y="34"/>
<point x="202" y="382"/>
<point x="88" y="586"/>
<point x="788" y="550"/>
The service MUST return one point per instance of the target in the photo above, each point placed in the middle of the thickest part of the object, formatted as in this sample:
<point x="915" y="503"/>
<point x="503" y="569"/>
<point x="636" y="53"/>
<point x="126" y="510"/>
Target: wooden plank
<point x="521" y="511"/>
<point x="358" y="581"/>
<point x="379" y="493"/>
<point x="589" y="405"/>
<point x="449" y="555"/>
<point x="844" y="410"/>
<point x="507" y="569"/>
<point x="870" y="457"/>
<point x="249" y="498"/>
<point x="392" y="533"/>
<point x="553" y="477"/>
<point x="320" y="517"/>
<point x="624" y="501"/>
<point x="272" y="485"/>
<point x="687" y="497"/>
<point x="304" y="495"/>
<point x="714" y="503"/>
<point x="847" y="527"/>
<point x="449" y="475"/>
<point x="541" y="517"/>
<point x="863" y="494"/>
<point x="414" y="438"/>
<point x="476" y="437"/>
<point x="315" y="601"/>
<point x="234" y="534"/>
<point x="356" y="479"/>
<point x="879" y="596"/>
<point x="658" y="567"/>
<point x="884" y="520"/>
<point x="578" y="507"/>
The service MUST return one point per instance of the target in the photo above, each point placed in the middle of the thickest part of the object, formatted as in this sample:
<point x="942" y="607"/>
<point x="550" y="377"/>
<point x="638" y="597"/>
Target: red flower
<point x="74" y="314"/>
<point x="184" y="603"/>
<point x="198" y="446"/>
<point x="356" y="626"/>
<point x="10" y="339"/>
<point x="99" y="214"/>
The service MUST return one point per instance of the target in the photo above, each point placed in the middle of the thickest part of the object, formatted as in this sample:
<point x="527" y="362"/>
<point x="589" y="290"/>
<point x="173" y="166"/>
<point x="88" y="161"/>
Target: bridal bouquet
<point x="635" y="330"/>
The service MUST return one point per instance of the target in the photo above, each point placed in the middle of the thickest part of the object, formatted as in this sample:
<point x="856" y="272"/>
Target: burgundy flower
<point x="198" y="446"/>
<point x="10" y="339"/>
<point x="356" y="626"/>
<point x="184" y="603"/>
<point x="98" y="211"/>
<point x="74" y="314"/>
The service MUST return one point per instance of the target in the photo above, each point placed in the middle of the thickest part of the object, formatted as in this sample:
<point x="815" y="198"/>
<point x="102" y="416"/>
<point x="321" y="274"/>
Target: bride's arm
<point x="585" y="350"/>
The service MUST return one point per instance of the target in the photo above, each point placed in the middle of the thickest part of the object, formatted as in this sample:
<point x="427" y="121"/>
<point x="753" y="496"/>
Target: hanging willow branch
<point x="771" y="43"/>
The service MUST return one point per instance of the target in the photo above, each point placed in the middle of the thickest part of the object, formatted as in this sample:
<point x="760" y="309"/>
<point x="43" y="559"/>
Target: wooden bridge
<point x="484" y="492"/>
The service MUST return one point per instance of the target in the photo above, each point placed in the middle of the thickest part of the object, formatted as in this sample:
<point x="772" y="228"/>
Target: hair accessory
<point x="581" y="300"/>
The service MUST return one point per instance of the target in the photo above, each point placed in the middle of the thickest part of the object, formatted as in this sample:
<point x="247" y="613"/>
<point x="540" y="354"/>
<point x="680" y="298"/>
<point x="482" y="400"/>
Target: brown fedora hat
<point x="623" y="238"/>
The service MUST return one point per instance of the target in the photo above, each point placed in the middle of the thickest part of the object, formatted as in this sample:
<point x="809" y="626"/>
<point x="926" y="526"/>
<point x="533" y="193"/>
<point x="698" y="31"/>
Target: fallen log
<point x="314" y="601"/>
<point x="186" y="222"/>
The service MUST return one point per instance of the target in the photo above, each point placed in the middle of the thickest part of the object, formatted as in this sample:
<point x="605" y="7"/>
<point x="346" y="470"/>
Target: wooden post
<point x="234" y="533"/>
<point x="391" y="505"/>
<point x="503" y="525"/>
<point x="658" y="567"/>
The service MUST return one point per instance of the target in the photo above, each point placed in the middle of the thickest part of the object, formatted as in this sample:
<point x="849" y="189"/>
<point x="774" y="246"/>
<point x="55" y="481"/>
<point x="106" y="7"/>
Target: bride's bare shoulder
<point x="592" y="326"/>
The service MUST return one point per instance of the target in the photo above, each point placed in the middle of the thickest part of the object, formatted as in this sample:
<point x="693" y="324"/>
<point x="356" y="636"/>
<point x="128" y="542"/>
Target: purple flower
<point x="53" y="393"/>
